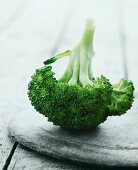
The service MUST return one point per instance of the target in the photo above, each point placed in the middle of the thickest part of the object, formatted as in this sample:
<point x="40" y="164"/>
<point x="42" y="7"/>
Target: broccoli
<point x="78" y="100"/>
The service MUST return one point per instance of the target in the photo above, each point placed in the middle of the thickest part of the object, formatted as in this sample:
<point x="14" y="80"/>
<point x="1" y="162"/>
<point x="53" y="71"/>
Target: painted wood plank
<point x="30" y="38"/>
<point x="10" y="12"/>
<point x="8" y="15"/>
<point x="109" y="45"/>
<point x="108" y="73"/>
<point x="131" y="23"/>
<point x="27" y="159"/>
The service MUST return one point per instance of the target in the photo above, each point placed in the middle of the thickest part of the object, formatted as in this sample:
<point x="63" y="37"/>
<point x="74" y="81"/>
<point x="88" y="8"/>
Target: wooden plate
<point x="113" y="143"/>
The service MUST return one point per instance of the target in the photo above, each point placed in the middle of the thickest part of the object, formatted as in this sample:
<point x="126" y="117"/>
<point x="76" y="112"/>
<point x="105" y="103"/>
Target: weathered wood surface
<point x="8" y="17"/>
<point x="32" y="35"/>
<point x="113" y="143"/>
<point x="27" y="159"/>
<point x="28" y="33"/>
<point x="131" y="37"/>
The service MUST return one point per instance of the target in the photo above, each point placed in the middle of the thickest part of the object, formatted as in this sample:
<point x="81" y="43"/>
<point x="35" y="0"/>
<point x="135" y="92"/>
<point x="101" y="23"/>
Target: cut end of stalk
<point x="90" y="23"/>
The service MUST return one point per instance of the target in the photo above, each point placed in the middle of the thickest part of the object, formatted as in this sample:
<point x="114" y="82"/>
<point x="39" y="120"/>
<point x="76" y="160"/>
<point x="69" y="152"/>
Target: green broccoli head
<point x="78" y="100"/>
<point x="121" y="98"/>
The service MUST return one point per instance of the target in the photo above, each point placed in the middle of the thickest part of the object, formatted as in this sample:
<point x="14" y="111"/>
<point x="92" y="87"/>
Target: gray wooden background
<point x="32" y="30"/>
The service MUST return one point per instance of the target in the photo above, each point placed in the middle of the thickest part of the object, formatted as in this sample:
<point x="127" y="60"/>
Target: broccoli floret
<point x="121" y="97"/>
<point x="78" y="100"/>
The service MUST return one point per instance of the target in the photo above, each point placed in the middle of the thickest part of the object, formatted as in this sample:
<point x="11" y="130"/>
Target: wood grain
<point x="35" y="34"/>
<point x="131" y="24"/>
<point x="111" y="144"/>
<point x="128" y="33"/>
<point x="27" y="159"/>
<point x="107" y="42"/>
<point x="25" y="44"/>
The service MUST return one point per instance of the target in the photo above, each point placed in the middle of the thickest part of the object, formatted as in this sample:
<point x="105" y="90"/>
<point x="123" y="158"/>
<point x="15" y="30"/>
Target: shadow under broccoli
<point x="78" y="100"/>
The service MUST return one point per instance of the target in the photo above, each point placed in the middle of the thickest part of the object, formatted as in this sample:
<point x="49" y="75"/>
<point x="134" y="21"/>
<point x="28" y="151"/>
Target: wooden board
<point x="130" y="22"/>
<point x="27" y="159"/>
<point x="25" y="43"/>
<point x="7" y="16"/>
<point x="34" y="48"/>
<point x="113" y="143"/>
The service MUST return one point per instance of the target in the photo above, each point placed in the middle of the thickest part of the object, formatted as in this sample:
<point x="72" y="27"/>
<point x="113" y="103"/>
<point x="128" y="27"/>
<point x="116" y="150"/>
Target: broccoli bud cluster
<point x="78" y="100"/>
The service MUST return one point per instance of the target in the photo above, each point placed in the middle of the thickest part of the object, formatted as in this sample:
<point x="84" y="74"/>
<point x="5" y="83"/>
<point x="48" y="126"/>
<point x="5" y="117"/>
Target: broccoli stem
<point x="79" y="66"/>
<point x="61" y="55"/>
<point x="69" y="70"/>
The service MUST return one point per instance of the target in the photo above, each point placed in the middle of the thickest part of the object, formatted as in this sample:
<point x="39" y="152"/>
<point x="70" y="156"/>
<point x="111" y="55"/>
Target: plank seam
<point x="122" y="35"/>
<point x="8" y="160"/>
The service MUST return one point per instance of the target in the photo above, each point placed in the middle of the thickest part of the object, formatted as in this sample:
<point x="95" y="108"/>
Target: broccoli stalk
<point x="79" y="66"/>
<point x="78" y="100"/>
